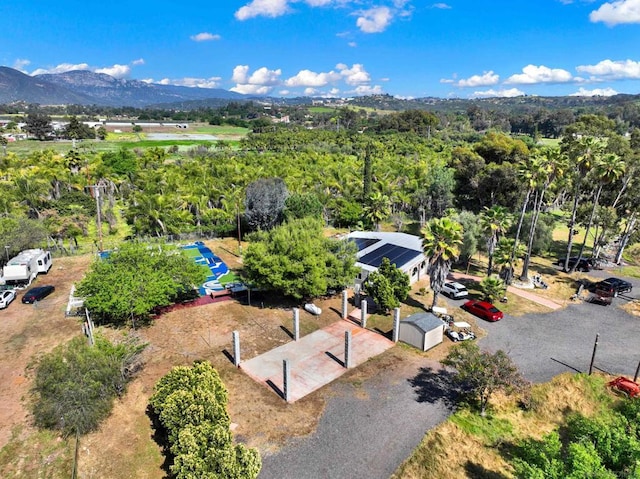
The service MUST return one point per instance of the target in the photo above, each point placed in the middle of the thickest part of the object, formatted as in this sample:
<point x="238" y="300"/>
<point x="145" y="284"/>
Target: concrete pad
<point x="315" y="359"/>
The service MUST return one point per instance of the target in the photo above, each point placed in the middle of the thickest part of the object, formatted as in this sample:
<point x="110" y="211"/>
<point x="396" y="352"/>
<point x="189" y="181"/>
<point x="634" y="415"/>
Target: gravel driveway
<point x="359" y="438"/>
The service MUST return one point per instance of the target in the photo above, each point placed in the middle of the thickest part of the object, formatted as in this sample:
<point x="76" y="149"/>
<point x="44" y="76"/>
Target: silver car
<point x="454" y="290"/>
<point x="6" y="297"/>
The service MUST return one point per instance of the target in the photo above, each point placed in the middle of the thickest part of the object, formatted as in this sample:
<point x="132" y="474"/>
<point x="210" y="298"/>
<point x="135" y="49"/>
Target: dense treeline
<point x="358" y="179"/>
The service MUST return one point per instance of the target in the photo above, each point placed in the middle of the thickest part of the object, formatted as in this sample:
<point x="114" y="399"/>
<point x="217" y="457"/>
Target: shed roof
<point x="424" y="321"/>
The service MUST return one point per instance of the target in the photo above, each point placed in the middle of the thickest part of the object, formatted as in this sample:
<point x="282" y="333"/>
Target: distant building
<point x="403" y="250"/>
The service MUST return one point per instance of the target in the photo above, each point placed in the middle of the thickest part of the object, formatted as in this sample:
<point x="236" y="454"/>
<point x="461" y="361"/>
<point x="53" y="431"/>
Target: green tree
<point x="77" y="130"/>
<point x="191" y="405"/>
<point x="135" y="279"/>
<point x="388" y="286"/>
<point x="296" y="260"/>
<point x="377" y="209"/>
<point x="101" y="133"/>
<point x="442" y="238"/>
<point x="75" y="384"/>
<point x="302" y="205"/>
<point x="39" y="125"/>
<point x="493" y="288"/>
<point x="482" y="373"/>
<point x="494" y="221"/>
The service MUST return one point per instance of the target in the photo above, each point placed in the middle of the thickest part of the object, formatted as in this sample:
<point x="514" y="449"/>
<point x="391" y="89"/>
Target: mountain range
<point x="82" y="87"/>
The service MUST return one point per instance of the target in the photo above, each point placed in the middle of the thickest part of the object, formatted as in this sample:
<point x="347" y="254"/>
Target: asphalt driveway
<point x="371" y="437"/>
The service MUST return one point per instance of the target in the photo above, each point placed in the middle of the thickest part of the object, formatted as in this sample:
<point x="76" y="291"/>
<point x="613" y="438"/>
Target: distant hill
<point x="83" y="87"/>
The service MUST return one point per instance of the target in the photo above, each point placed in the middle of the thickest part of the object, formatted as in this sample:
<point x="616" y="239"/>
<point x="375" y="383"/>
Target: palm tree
<point x="607" y="170"/>
<point x="494" y="221"/>
<point x="507" y="256"/>
<point x="441" y="242"/>
<point x="378" y="209"/>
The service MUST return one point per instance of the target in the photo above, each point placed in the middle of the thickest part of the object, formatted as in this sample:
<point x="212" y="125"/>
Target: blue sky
<point x="343" y="48"/>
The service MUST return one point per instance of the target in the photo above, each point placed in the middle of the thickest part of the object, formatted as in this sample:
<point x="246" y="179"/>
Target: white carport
<point x="422" y="330"/>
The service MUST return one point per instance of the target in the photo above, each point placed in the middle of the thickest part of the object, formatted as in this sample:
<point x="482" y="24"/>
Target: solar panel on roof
<point x="363" y="243"/>
<point x="397" y="255"/>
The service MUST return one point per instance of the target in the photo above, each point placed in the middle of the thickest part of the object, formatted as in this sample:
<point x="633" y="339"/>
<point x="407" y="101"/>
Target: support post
<point x="344" y="304"/>
<point x="236" y="348"/>
<point x="363" y="314"/>
<point x="635" y="376"/>
<point x="286" y="378"/>
<point x="593" y="356"/>
<point x="296" y="324"/>
<point x="396" y="324"/>
<point x="347" y="349"/>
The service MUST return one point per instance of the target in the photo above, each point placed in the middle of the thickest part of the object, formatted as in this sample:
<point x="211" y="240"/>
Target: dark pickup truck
<point x="614" y="286"/>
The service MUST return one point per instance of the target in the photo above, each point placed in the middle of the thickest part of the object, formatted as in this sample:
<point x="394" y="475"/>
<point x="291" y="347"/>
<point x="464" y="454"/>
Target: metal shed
<point x="422" y="330"/>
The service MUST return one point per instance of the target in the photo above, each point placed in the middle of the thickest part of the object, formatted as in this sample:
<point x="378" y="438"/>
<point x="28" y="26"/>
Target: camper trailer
<point x="22" y="270"/>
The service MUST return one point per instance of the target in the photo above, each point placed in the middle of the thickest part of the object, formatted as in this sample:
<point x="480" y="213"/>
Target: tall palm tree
<point x="608" y="169"/>
<point x="546" y="166"/>
<point x="441" y="242"/>
<point x="494" y="221"/>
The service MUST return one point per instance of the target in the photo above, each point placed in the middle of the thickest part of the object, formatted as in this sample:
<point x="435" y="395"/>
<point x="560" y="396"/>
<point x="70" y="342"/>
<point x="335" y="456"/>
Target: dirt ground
<point x="259" y="417"/>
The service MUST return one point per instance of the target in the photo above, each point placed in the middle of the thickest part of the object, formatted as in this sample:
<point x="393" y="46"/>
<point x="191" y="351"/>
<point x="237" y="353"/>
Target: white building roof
<point x="402" y="249"/>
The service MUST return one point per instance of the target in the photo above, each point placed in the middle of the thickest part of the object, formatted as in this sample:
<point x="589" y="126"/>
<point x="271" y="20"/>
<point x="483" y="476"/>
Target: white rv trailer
<point x="22" y="269"/>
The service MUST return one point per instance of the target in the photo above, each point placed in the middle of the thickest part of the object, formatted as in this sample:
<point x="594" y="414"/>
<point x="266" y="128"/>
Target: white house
<point x="402" y="249"/>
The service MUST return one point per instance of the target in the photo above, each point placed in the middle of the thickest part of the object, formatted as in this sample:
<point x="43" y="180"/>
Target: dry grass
<point x="469" y="446"/>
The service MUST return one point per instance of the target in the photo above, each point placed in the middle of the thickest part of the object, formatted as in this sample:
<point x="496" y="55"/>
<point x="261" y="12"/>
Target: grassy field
<point x="468" y="445"/>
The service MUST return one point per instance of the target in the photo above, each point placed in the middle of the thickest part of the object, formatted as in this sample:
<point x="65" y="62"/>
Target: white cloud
<point x="491" y="93"/>
<point x="352" y="44"/>
<point x="613" y="69"/>
<point x="264" y="8"/>
<point x="595" y="92"/>
<point x="204" y="37"/>
<point x="20" y="63"/>
<point x="617" y="12"/>
<point x="312" y="79"/>
<point x="532" y="74"/>
<point x="310" y="91"/>
<point x="260" y="82"/>
<point x="374" y="20"/>
<point x="356" y="75"/>
<point x="212" y="82"/>
<point x="251" y="89"/>
<point x="441" y="6"/>
<point x="264" y="76"/>
<point x="368" y="90"/>
<point x="63" y="67"/>
<point x="284" y="92"/>
<point x="486" y="79"/>
<point x="240" y="74"/>
<point x="447" y="80"/>
<point x="116" y="71"/>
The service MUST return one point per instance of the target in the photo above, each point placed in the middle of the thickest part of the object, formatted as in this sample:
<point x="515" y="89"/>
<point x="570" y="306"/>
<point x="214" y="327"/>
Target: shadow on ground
<point x="435" y="385"/>
<point x="477" y="471"/>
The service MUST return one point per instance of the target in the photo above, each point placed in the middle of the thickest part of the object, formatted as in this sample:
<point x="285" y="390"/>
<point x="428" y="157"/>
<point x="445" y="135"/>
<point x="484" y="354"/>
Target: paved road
<point x="366" y="438"/>
<point x="370" y="438"/>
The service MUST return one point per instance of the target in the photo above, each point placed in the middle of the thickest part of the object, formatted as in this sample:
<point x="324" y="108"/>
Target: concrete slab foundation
<point x="315" y="359"/>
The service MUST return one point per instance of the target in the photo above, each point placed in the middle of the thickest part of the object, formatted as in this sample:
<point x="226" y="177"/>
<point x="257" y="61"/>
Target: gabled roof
<point x="424" y="321"/>
<point x="402" y="249"/>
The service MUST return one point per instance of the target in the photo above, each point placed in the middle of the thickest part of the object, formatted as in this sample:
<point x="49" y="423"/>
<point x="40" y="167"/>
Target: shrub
<point x="76" y="383"/>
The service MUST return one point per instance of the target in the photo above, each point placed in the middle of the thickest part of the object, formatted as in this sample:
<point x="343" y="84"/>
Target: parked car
<point x="37" y="293"/>
<point x="614" y="286"/>
<point x="454" y="290"/>
<point x="584" y="264"/>
<point x="483" y="309"/>
<point x="625" y="386"/>
<point x="6" y="297"/>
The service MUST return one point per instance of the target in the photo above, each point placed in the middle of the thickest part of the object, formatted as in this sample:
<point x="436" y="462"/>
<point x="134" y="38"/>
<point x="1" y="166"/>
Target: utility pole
<point x="239" y="235"/>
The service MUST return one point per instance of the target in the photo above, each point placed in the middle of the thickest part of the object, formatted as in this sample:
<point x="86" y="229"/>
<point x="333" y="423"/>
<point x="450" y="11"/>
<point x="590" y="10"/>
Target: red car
<point x="483" y="310"/>
<point x="626" y="386"/>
